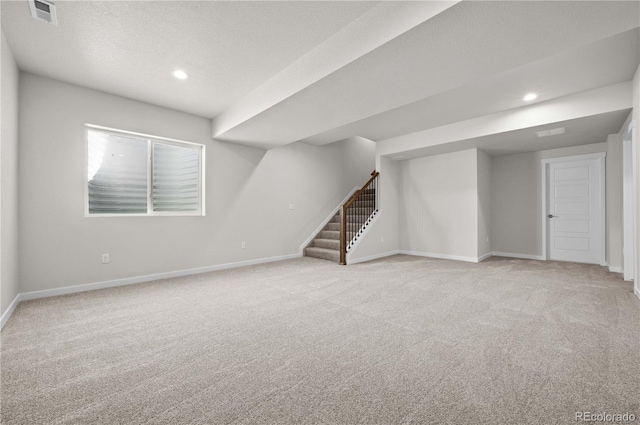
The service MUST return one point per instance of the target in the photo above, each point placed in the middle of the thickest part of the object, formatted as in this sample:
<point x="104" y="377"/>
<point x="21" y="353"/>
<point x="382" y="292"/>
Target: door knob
<point x="551" y="216"/>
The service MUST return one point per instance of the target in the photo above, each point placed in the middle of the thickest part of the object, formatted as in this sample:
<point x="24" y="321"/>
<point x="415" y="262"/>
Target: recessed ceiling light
<point x="529" y="97"/>
<point x="180" y="74"/>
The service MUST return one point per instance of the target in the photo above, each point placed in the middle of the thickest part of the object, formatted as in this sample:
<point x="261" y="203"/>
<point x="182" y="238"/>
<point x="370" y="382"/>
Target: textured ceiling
<point x="270" y="73"/>
<point x="129" y="48"/>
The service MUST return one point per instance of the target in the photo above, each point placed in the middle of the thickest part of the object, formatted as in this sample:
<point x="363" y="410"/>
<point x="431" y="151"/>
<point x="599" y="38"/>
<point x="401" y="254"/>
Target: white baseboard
<point x="523" y="256"/>
<point x="373" y="257"/>
<point x="637" y="292"/>
<point x="485" y="256"/>
<point x="25" y="296"/>
<point x="616" y="269"/>
<point x="445" y="256"/>
<point x="327" y="220"/>
<point x="9" y="312"/>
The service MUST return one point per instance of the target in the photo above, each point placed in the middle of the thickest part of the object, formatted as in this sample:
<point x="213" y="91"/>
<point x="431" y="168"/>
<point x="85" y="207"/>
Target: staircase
<point x="326" y="244"/>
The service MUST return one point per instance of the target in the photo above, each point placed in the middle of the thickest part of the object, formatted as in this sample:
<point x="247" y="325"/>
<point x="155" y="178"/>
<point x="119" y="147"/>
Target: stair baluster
<point x="356" y="213"/>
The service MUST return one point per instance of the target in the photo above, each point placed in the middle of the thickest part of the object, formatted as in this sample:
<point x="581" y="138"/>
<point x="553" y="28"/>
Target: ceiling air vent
<point x="44" y="10"/>
<point x="553" y="132"/>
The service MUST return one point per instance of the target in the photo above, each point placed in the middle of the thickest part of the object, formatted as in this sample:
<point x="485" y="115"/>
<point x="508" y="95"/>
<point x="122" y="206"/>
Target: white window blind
<point x="136" y="174"/>
<point x="175" y="178"/>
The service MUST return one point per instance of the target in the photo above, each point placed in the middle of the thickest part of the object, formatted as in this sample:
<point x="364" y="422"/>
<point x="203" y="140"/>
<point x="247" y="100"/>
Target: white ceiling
<point x="271" y="73"/>
<point x="576" y="70"/>
<point x="580" y="131"/>
<point x="129" y="48"/>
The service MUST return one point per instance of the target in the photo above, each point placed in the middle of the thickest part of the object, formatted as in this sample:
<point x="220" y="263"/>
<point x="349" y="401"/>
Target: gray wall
<point x="248" y="192"/>
<point x="484" y="203"/>
<point x="449" y="204"/>
<point x="517" y="207"/>
<point x="9" y="180"/>
<point x="439" y="204"/>
<point x="515" y="199"/>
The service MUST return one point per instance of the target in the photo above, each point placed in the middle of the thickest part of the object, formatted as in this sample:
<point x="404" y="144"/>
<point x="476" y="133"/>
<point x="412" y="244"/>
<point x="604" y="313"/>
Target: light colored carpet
<point x="399" y="340"/>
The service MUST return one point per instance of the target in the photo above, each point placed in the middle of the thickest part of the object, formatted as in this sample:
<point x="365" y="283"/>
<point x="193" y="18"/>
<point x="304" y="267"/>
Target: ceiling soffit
<point x="463" y="45"/>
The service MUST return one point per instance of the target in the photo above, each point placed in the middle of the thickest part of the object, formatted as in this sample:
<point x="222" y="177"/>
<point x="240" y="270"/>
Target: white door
<point x="576" y="210"/>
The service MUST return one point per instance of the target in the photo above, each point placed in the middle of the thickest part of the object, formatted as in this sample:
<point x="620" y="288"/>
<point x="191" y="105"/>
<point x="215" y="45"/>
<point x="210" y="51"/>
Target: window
<point x="136" y="174"/>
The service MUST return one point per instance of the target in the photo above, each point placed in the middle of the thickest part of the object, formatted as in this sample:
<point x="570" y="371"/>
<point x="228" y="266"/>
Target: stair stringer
<point x="361" y="236"/>
<point x="361" y="232"/>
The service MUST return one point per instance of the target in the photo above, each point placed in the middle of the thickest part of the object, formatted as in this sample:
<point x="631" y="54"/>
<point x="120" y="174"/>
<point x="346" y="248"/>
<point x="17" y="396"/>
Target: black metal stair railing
<point x="356" y="214"/>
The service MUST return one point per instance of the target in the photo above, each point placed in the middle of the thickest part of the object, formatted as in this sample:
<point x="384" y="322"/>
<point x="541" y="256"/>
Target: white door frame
<point x="636" y="209"/>
<point x="545" y="206"/>
<point x="629" y="183"/>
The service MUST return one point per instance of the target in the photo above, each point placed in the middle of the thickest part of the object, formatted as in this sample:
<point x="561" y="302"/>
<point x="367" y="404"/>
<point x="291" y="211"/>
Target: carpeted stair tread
<point x="323" y="253"/>
<point x="329" y="234"/>
<point x="327" y="243"/>
<point x="332" y="226"/>
<point x="335" y="225"/>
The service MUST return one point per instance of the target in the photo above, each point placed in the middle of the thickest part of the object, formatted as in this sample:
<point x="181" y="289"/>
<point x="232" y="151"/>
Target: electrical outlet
<point x="291" y="207"/>
<point x="381" y="238"/>
<point x="243" y="245"/>
<point x="105" y="258"/>
<point x="487" y="239"/>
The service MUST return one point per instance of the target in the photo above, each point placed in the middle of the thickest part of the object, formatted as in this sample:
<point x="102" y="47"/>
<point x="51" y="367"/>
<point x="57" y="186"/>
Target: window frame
<point x="151" y="141"/>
